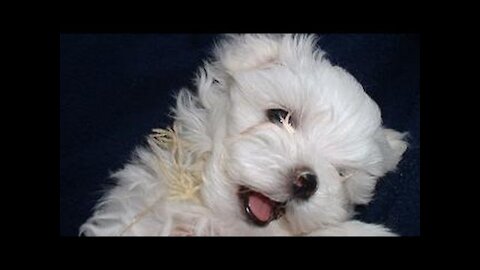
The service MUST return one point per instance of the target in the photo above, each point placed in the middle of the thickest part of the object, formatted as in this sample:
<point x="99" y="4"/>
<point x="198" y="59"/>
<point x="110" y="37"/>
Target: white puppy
<point x="274" y="140"/>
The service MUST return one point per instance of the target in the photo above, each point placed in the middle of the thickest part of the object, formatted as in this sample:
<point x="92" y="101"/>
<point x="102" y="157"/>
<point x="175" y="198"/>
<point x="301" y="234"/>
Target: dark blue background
<point x="114" y="88"/>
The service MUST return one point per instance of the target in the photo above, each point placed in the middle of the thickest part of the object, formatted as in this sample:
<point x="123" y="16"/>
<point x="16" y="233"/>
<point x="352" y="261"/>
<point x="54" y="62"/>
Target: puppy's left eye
<point x="279" y="116"/>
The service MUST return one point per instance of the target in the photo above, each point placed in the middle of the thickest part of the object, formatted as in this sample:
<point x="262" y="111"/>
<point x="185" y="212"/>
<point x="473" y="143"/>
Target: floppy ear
<point x="248" y="51"/>
<point x="361" y="185"/>
<point x="393" y="149"/>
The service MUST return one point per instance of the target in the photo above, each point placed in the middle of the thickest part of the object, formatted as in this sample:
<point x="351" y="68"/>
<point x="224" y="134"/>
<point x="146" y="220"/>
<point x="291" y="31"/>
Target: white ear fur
<point x="361" y="185"/>
<point x="394" y="149"/>
<point x="249" y="51"/>
<point x="255" y="51"/>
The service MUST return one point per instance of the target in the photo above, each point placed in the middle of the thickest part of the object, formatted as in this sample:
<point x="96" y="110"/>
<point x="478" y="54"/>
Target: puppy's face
<point x="299" y="141"/>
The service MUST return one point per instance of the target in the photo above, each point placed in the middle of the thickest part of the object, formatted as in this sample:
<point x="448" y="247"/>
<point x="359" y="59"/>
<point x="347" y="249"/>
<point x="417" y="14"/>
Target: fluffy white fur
<point x="227" y="141"/>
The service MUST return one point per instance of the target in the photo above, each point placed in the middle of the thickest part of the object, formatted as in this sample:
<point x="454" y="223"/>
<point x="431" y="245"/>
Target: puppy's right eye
<point x="344" y="173"/>
<point x="278" y="116"/>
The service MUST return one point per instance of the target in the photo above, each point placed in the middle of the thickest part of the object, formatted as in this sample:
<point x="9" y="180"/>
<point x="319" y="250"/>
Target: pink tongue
<point x="260" y="206"/>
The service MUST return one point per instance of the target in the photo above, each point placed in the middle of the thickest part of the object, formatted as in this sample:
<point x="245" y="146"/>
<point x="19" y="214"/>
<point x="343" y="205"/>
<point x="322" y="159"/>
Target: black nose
<point x="304" y="185"/>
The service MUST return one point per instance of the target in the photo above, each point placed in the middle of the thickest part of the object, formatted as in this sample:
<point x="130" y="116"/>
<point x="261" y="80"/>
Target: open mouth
<point x="260" y="209"/>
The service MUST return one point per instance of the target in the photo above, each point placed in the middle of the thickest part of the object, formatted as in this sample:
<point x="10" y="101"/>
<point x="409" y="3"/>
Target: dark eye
<point x="279" y="116"/>
<point x="344" y="172"/>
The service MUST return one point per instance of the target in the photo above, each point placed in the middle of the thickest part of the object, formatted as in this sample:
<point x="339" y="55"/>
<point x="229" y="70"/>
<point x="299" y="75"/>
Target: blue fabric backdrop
<point x="114" y="88"/>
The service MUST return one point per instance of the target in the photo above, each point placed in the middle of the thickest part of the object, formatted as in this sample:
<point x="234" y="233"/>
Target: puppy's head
<point x="293" y="139"/>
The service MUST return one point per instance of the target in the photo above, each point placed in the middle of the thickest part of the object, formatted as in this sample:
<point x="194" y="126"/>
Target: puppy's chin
<point x="305" y="217"/>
